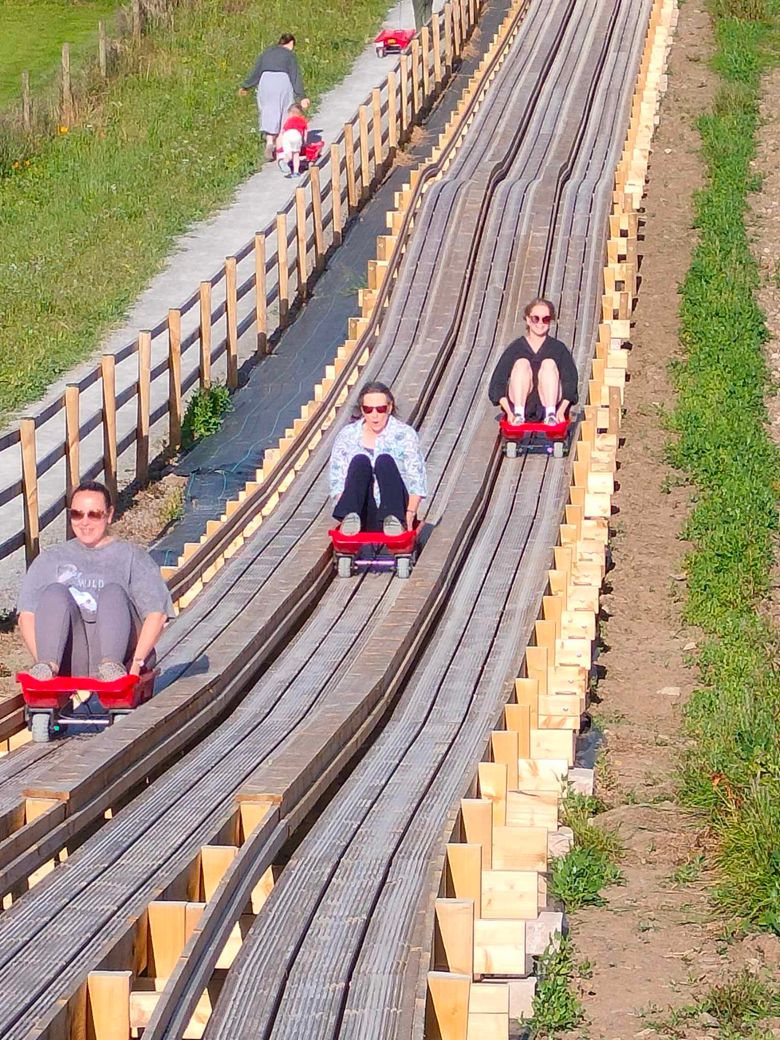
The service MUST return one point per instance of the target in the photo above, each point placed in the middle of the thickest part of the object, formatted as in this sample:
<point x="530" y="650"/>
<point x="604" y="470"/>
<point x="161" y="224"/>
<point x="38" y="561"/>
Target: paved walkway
<point x="196" y="256"/>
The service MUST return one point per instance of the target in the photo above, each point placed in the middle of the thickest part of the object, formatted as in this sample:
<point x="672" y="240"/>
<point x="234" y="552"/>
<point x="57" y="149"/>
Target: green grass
<point x="556" y="1007"/>
<point x="33" y="32"/>
<point x="734" y="1010"/>
<point x="86" y="225"/>
<point x="578" y="877"/>
<point x="722" y="443"/>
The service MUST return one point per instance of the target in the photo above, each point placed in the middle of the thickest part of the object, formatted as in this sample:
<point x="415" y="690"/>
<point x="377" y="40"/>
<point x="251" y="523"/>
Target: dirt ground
<point x="657" y="946"/>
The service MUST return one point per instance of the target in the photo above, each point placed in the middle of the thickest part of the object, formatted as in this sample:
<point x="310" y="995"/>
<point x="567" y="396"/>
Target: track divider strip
<point x="200" y="561"/>
<point x="490" y="921"/>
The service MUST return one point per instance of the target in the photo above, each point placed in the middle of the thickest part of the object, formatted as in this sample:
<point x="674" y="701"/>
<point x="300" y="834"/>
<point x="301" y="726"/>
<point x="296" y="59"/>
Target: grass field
<point x="32" y="35"/>
<point x="90" y="220"/>
<point x="733" y="770"/>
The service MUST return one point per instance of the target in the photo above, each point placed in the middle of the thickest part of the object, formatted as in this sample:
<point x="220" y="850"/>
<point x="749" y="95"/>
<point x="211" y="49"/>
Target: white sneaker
<point x="351" y="524"/>
<point x="392" y="526"/>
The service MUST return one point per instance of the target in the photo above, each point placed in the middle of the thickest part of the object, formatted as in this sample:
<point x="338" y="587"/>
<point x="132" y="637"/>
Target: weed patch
<point x="722" y="444"/>
<point x="556" y="1006"/>
<point x="206" y="409"/>
<point x="579" y="876"/>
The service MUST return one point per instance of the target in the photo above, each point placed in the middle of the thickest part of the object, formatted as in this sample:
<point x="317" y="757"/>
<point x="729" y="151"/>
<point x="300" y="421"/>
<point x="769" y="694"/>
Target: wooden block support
<point x="453" y="942"/>
<point x="447" y="1006"/>
<point x="108" y="1005"/>
<point x="463" y="874"/>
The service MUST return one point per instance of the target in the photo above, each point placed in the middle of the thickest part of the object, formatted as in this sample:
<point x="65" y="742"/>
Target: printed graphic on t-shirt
<point x="79" y="585"/>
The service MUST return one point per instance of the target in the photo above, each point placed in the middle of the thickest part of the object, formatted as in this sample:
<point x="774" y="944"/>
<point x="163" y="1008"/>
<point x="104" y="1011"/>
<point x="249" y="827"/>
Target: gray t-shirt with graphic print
<point x="85" y="571"/>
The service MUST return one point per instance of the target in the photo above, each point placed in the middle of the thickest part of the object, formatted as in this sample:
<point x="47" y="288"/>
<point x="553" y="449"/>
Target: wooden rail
<point x="254" y="292"/>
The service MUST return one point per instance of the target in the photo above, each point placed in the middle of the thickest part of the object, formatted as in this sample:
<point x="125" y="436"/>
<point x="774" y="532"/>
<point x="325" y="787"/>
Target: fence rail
<point x="258" y="288"/>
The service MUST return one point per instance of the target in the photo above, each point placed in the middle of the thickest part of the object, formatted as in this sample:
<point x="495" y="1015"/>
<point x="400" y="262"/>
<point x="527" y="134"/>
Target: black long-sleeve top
<point x="520" y="348"/>
<point x="277" y="59"/>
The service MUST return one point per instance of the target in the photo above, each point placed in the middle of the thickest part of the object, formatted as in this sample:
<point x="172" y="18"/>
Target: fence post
<point x="108" y="372"/>
<point x="205" y="335"/>
<point x="26" y="102"/>
<point x="174" y="379"/>
<point x="392" y="112"/>
<point x="316" y="216"/>
<point x="142" y="423"/>
<point x="365" y="168"/>
<point x="300" y="236"/>
<point x="261" y="314"/>
<point x="136" y="9"/>
<point x="404" y="95"/>
<point x="457" y="28"/>
<point x="231" y="321"/>
<point x="376" y="119"/>
<point x="102" y="49"/>
<point x="72" y="436"/>
<point x="425" y="47"/>
<point x="32" y="540"/>
<point x="349" y="152"/>
<point x="66" y="106"/>
<point x="283" y="269"/>
<point x="436" y="36"/>
<point x="415" y="79"/>
<point x="447" y="10"/>
<point x="335" y="185"/>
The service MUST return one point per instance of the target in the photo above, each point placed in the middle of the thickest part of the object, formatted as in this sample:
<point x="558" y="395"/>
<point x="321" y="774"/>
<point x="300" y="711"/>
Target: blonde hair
<point x="295" y="109"/>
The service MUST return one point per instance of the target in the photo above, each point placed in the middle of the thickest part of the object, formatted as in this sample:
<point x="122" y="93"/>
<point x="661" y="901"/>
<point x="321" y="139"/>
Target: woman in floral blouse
<point x="377" y="471"/>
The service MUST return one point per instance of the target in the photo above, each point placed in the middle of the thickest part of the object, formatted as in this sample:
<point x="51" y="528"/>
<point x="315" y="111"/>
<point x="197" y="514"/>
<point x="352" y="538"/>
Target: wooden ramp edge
<point x="490" y="919"/>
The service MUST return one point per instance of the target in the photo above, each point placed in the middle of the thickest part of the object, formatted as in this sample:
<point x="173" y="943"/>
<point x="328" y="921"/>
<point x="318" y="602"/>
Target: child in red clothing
<point x="291" y="141"/>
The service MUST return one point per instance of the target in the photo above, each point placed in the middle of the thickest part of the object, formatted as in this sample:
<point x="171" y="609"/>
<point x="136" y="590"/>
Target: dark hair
<point x="286" y="38"/>
<point x="373" y="388"/>
<point x="535" y="303"/>
<point x="98" y="489"/>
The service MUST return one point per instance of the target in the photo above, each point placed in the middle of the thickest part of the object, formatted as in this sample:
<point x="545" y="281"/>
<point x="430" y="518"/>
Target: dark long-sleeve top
<point x="277" y="59"/>
<point x="520" y="348"/>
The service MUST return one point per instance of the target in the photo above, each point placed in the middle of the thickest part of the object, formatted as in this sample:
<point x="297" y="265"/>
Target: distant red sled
<point x="46" y="698"/>
<point x="394" y="552"/>
<point x="530" y="436"/>
<point x="393" y="41"/>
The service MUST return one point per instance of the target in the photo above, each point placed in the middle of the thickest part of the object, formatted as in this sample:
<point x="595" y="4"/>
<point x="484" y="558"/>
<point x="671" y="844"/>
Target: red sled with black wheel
<point x="46" y="699"/>
<point x="393" y="41"/>
<point x="536" y="438"/>
<point x="373" y="550"/>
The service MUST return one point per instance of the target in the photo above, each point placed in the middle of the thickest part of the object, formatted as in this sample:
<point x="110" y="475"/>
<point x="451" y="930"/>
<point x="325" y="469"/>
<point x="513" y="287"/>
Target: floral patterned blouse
<point x="397" y="440"/>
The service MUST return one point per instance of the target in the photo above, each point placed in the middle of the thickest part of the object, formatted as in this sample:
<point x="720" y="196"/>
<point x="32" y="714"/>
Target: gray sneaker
<point x="110" y="671"/>
<point x="351" y="524"/>
<point x="392" y="526"/>
<point x="42" y="671"/>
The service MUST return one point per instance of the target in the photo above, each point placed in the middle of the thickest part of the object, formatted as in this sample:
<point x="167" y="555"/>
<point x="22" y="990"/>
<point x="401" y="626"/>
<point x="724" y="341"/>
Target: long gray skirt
<point x="274" y="97"/>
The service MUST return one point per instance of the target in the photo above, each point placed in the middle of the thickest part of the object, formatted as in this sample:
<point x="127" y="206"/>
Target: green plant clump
<point x="590" y="865"/>
<point x="206" y="409"/>
<point x="721" y="442"/>
<point x="88" y="217"/>
<point x="556" y="1006"/>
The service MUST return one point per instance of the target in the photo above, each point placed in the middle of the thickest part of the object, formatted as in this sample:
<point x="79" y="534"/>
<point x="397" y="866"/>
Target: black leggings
<point x="358" y="494"/>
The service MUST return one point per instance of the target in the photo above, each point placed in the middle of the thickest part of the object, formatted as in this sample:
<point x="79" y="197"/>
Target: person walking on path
<point x="277" y="76"/>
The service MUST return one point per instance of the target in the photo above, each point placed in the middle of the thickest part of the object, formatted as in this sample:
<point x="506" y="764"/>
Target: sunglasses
<point x="367" y="409"/>
<point x="91" y="514"/>
<point x="545" y="319"/>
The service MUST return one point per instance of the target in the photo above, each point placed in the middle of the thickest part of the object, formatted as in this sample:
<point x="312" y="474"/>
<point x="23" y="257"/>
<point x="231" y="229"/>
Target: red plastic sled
<point x="46" y="698"/>
<point x="555" y="440"/>
<point x="393" y="41"/>
<point x="389" y="551"/>
<point x="310" y="153"/>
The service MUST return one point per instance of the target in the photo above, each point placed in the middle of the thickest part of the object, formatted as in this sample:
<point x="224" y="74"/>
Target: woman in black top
<point x="535" y="379"/>
<point x="278" y="80"/>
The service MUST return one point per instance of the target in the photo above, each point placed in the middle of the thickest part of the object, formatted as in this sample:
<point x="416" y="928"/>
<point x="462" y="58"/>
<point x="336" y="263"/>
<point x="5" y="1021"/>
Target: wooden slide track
<point x="175" y="915"/>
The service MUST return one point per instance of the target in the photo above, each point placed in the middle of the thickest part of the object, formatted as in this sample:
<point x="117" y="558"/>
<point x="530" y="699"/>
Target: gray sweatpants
<point x="76" y="646"/>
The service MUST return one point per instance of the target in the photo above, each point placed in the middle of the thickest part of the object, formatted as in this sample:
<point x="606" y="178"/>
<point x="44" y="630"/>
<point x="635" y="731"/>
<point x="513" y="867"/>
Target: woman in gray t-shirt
<point x="94" y="605"/>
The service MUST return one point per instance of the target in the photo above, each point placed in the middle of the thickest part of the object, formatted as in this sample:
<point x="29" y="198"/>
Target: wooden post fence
<point x="376" y="120"/>
<point x="300" y="239"/>
<point x="26" y="102"/>
<point x="349" y="152"/>
<point x="316" y="216"/>
<point x="365" y="169"/>
<point x="102" y="49"/>
<point x="404" y="96"/>
<point x="32" y="539"/>
<point x="66" y="100"/>
<point x="72" y="440"/>
<point x="205" y="335"/>
<point x="174" y="379"/>
<point x="108" y="379"/>
<point x="261" y="314"/>
<point x="144" y="398"/>
<point x="282" y="269"/>
<point x="335" y="184"/>
<point x="392" y="112"/>
<point x="231" y="319"/>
